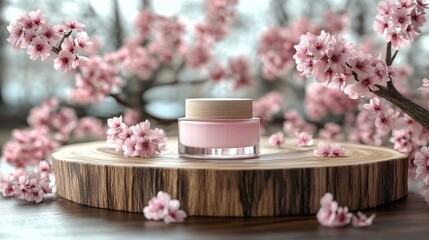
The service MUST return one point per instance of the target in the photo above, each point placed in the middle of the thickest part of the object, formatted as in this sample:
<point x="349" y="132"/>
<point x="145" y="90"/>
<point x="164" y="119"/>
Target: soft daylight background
<point x="25" y="83"/>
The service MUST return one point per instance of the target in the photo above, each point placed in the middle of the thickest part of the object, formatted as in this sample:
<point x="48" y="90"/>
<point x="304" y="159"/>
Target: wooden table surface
<point x="57" y="218"/>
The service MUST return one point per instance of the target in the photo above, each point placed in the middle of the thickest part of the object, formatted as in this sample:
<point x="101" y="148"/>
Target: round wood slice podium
<point x="285" y="181"/>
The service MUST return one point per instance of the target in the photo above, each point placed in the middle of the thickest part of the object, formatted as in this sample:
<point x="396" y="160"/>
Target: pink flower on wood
<point x="361" y="220"/>
<point x="337" y="150"/>
<point x="342" y="218"/>
<point x="326" y="149"/>
<point x="276" y="140"/>
<point x="141" y="129"/>
<point x="33" y="187"/>
<point x="147" y="146"/>
<point x="303" y="139"/>
<point x="331" y="215"/>
<point x="174" y="213"/>
<point x="163" y="207"/>
<point x="327" y="212"/>
<point x="421" y="160"/>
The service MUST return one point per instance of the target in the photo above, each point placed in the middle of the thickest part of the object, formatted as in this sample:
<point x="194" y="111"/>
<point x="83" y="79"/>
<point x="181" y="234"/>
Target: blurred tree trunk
<point x="278" y="7"/>
<point x="118" y="33"/>
<point x="146" y="4"/>
<point x="2" y="62"/>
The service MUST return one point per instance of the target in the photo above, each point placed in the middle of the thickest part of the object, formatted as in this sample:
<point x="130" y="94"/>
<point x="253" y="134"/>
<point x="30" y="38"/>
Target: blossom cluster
<point x="62" y="123"/>
<point x="266" y="106"/>
<point x="28" y="147"/>
<point x="401" y="22"/>
<point x="276" y="46"/>
<point x="331" y="215"/>
<point x="321" y="101"/>
<point x="162" y="207"/>
<point x="50" y="125"/>
<point x="29" y="186"/>
<point x="135" y="141"/>
<point x="335" y="63"/>
<point x="32" y="32"/>
<point x="160" y="43"/>
<point x="95" y="80"/>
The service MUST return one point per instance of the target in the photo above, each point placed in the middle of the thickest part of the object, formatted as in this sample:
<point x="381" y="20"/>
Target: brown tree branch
<point x="58" y="49"/>
<point x="412" y="109"/>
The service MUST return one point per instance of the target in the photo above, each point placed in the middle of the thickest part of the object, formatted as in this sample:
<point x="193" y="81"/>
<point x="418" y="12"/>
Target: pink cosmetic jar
<point x="218" y="128"/>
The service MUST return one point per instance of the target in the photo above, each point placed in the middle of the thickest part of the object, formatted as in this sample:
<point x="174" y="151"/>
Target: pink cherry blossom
<point x="324" y="149"/>
<point x="163" y="207"/>
<point x="39" y="47"/>
<point x="331" y="215"/>
<point x="82" y="40"/>
<point x="342" y="218"/>
<point x="327" y="212"/>
<point x="276" y="139"/>
<point x="70" y="25"/>
<point x="28" y="147"/>
<point x="64" y="61"/>
<point x="421" y="160"/>
<point x="135" y="141"/>
<point x="322" y="101"/>
<point x="174" y="213"/>
<point x="33" y="187"/>
<point x="141" y="129"/>
<point x="386" y="120"/>
<point x="50" y="33"/>
<point x="159" y="136"/>
<point x="157" y="208"/>
<point x="375" y="107"/>
<point x="95" y="81"/>
<point x="8" y="182"/>
<point x="130" y="147"/>
<point x="361" y="220"/>
<point x="16" y="34"/>
<point x="217" y="72"/>
<point x="399" y="23"/>
<point x="115" y="125"/>
<point x="89" y="128"/>
<point x="240" y="72"/>
<point x="425" y="86"/>
<point x="331" y="131"/>
<point x="327" y="149"/>
<point x="266" y="106"/>
<point x="147" y="146"/>
<point x="303" y="139"/>
<point x="131" y="116"/>
<point x="338" y="150"/>
<point x="295" y="123"/>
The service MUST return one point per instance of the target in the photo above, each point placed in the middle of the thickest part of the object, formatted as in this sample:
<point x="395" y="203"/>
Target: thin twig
<point x="58" y="49"/>
<point x="120" y="100"/>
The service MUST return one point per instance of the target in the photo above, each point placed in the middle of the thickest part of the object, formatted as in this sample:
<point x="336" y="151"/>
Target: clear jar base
<point x="218" y="153"/>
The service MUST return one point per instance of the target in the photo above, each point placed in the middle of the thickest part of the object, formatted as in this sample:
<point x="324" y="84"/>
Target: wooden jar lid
<point x="219" y="108"/>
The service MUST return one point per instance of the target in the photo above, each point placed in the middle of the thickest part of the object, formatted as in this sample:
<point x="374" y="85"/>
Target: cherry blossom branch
<point x="412" y="109"/>
<point x="58" y="49"/>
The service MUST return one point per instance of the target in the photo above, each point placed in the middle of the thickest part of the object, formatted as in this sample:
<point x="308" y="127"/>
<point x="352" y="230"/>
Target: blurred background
<point x="25" y="83"/>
